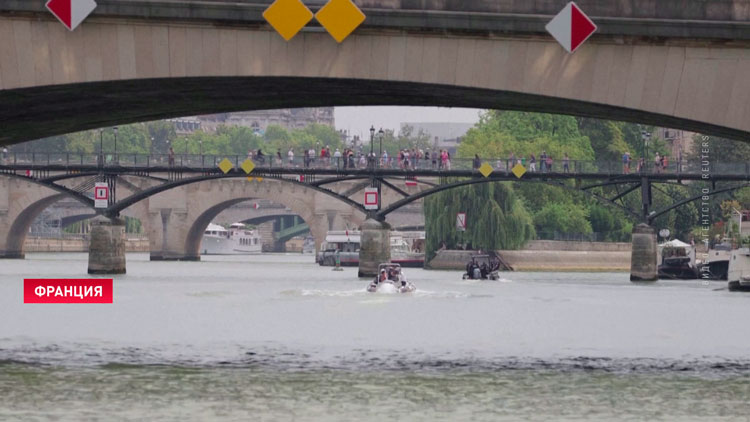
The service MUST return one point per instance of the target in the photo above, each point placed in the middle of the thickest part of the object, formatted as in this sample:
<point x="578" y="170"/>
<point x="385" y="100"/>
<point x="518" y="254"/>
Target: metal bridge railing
<point x="208" y="162"/>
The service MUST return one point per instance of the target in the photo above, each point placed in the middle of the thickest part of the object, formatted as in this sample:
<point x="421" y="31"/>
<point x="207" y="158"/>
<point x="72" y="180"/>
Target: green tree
<point x="564" y="218"/>
<point x="496" y="218"/>
<point x="500" y="133"/>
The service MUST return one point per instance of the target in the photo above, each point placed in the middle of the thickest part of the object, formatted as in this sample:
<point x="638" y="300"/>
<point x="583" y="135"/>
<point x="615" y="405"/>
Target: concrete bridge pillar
<point x="107" y="247"/>
<point x="375" y="246"/>
<point x="643" y="261"/>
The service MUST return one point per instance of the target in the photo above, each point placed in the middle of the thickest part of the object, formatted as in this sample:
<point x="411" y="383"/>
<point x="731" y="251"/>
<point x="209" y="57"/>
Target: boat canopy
<point x="676" y="243"/>
<point x="215" y="228"/>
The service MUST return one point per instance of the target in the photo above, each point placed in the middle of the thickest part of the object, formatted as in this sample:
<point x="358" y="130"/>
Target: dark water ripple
<point x="419" y="362"/>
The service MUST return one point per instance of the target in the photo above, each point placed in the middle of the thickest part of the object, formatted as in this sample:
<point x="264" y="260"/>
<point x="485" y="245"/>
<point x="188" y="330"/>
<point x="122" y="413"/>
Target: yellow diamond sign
<point x="225" y="165"/>
<point x="248" y="166"/>
<point x="287" y="17"/>
<point x="486" y="170"/>
<point x="340" y="18"/>
<point x="518" y="170"/>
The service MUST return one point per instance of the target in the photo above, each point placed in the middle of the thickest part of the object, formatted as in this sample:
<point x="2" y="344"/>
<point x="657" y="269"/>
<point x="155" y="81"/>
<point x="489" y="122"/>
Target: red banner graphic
<point x="67" y="290"/>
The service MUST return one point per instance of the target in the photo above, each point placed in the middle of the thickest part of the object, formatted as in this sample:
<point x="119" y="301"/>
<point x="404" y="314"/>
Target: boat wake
<point x="362" y="293"/>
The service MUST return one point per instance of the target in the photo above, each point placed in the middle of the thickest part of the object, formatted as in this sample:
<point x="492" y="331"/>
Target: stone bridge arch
<point x="22" y="200"/>
<point x="178" y="217"/>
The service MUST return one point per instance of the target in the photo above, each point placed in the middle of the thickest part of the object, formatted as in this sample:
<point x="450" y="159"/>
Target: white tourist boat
<point x="738" y="274"/>
<point x="406" y="248"/>
<point x="236" y="241"/>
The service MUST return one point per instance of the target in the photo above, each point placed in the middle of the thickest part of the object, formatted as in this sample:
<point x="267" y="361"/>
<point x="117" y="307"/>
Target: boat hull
<point x="717" y="270"/>
<point x="683" y="272"/>
<point x="351" y="259"/>
<point x="735" y="286"/>
<point x="223" y="246"/>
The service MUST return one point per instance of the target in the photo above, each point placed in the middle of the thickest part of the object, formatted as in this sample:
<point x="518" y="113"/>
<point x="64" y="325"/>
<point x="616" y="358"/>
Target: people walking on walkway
<point x="532" y="163"/>
<point x="566" y="163"/>
<point x="626" y="163"/>
<point x="543" y="161"/>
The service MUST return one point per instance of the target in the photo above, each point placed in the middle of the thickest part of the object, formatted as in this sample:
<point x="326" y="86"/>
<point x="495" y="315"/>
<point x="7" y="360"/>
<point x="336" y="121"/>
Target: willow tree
<point x="495" y="218"/>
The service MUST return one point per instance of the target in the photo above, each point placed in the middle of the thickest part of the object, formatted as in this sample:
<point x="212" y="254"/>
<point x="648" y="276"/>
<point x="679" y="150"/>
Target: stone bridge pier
<point x="178" y="218"/>
<point x="643" y="261"/>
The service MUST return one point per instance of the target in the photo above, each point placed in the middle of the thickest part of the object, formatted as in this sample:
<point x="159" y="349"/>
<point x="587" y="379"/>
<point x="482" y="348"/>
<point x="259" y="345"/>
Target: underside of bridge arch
<point x="61" y="109"/>
<point x="20" y="227"/>
<point x="198" y="227"/>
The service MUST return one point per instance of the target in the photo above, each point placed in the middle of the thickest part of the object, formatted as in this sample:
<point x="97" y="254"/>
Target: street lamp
<point x="101" y="146"/>
<point x="372" y="139"/>
<point x="115" y="130"/>
<point x="645" y="136"/>
<point x="381" y="134"/>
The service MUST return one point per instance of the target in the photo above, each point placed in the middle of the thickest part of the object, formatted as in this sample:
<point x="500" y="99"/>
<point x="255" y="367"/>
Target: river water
<point x="275" y="337"/>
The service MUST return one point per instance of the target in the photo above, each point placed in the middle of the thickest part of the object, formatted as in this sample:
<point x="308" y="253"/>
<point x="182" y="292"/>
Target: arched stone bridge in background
<point x="177" y="203"/>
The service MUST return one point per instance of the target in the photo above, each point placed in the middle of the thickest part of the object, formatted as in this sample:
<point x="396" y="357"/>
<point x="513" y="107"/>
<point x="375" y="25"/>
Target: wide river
<point x="276" y="337"/>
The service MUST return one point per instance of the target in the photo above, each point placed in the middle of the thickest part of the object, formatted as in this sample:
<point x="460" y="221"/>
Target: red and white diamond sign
<point x="571" y="27"/>
<point x="71" y="12"/>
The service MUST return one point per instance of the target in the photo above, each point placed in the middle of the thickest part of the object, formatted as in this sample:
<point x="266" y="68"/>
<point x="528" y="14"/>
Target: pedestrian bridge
<point x="651" y="62"/>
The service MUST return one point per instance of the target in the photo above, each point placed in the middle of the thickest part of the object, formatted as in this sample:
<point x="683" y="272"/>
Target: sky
<point x="357" y="120"/>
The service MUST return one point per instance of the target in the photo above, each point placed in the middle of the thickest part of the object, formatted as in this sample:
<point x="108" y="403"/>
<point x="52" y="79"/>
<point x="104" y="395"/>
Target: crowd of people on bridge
<point x="326" y="157"/>
<point x="661" y="163"/>
<point x="545" y="161"/>
<point x="416" y="158"/>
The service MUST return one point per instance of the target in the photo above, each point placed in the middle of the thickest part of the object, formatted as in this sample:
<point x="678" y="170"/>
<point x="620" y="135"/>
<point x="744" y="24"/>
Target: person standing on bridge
<point x="477" y="162"/>
<point x="532" y="162"/>
<point x="171" y="157"/>
<point x="566" y="163"/>
<point x="511" y="161"/>
<point x="657" y="163"/>
<point x="5" y="154"/>
<point x="543" y="161"/>
<point x="626" y="162"/>
<point x="290" y="156"/>
<point x="337" y="157"/>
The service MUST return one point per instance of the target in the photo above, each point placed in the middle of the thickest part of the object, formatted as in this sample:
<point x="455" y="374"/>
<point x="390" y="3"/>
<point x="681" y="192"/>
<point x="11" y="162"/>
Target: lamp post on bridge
<point x="381" y="134"/>
<point x="371" y="159"/>
<point x="101" y="147"/>
<point x="645" y="136"/>
<point x="117" y="161"/>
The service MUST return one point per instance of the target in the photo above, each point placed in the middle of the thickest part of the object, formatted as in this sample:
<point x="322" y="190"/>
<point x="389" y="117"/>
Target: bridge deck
<point x="123" y="164"/>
